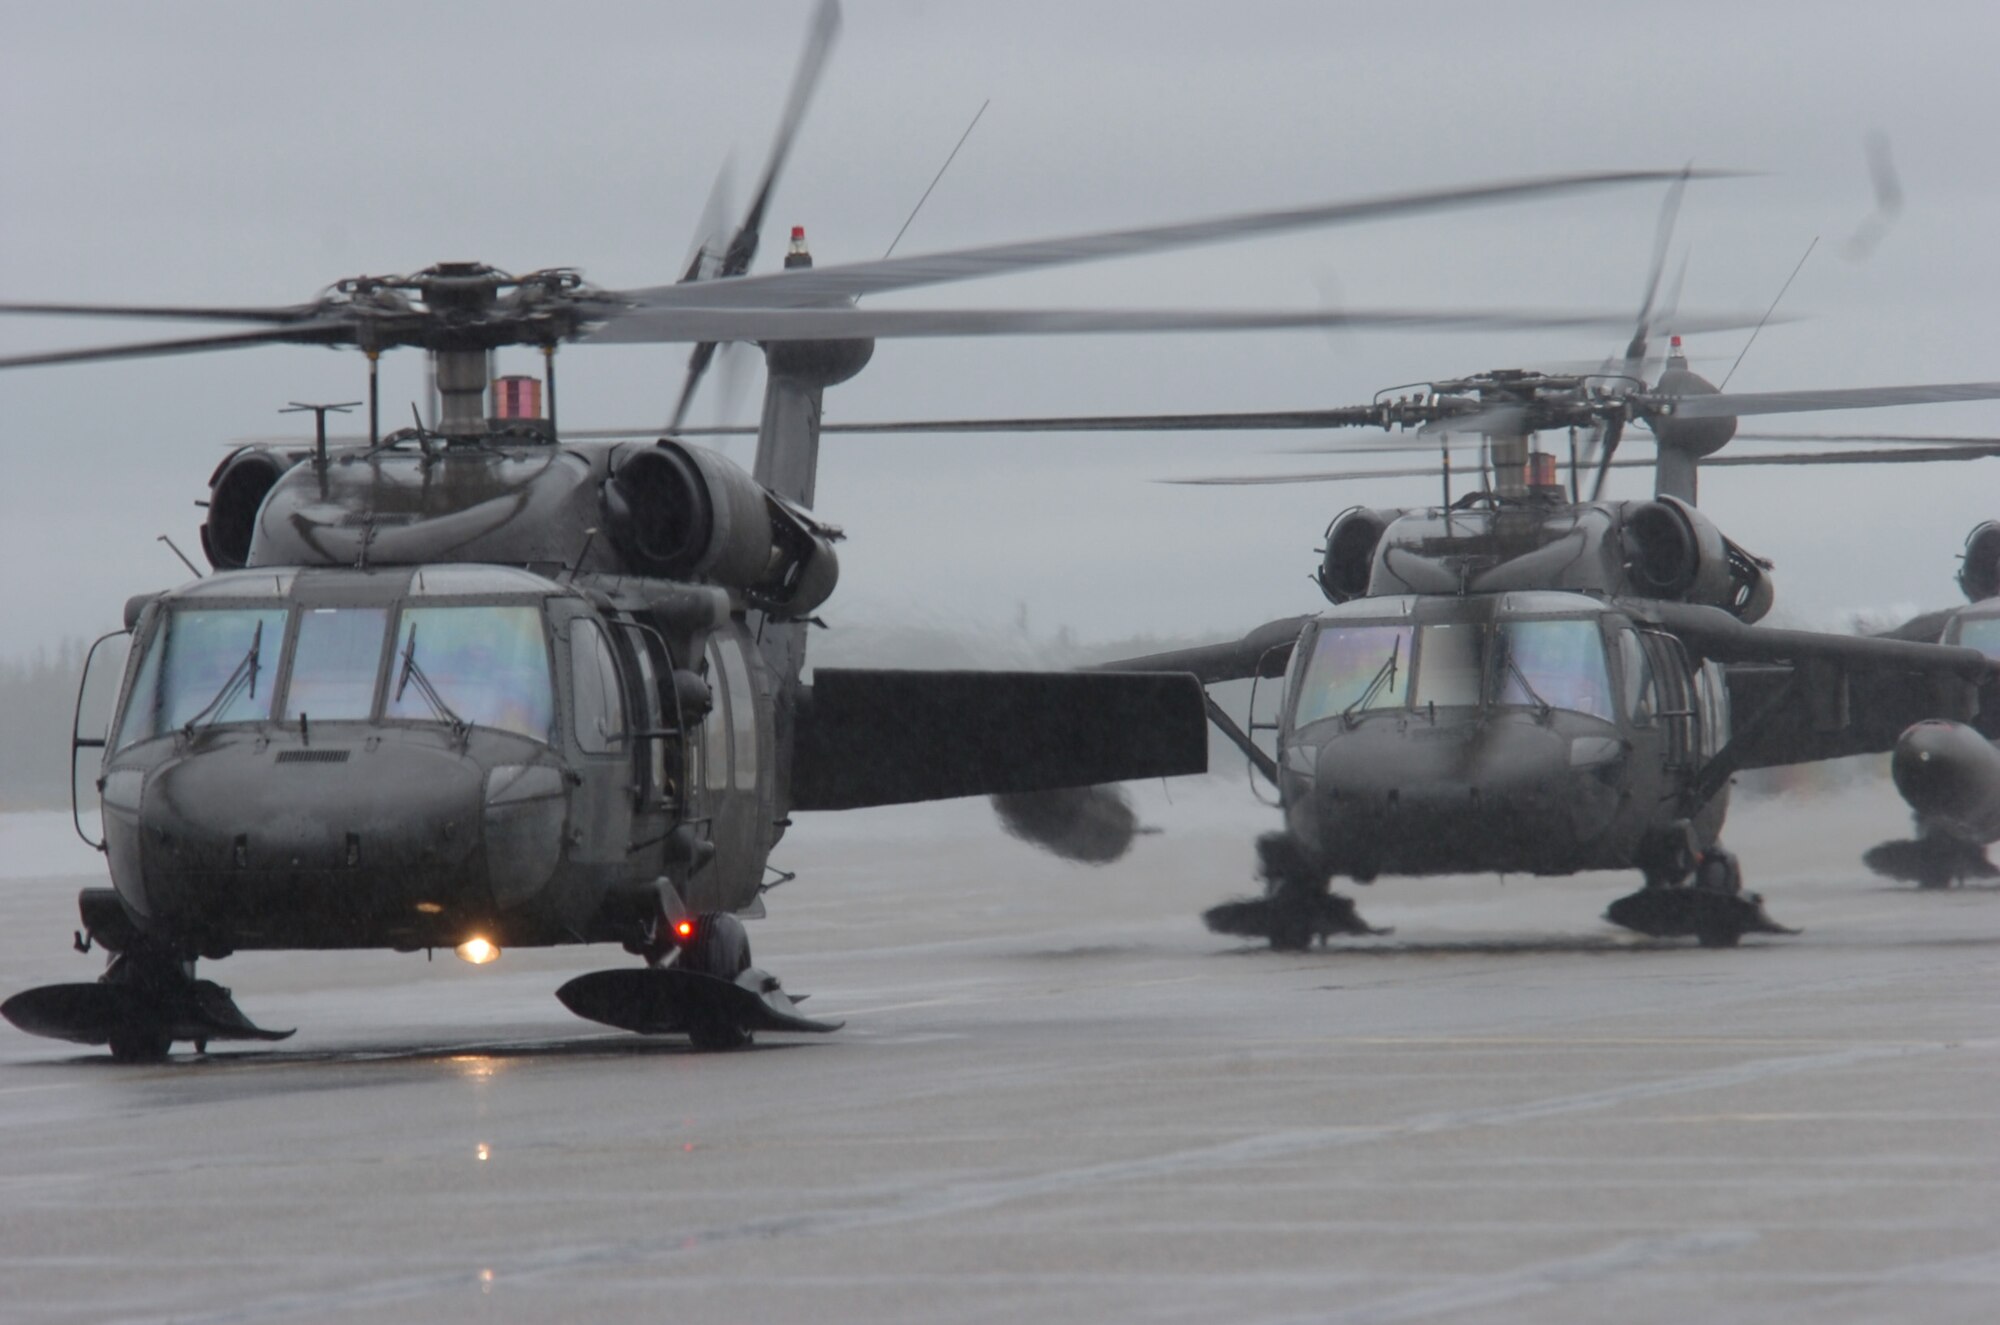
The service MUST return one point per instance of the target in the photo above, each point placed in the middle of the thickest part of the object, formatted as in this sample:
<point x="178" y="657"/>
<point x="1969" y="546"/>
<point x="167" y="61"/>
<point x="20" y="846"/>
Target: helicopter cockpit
<point x="1536" y="650"/>
<point x="1976" y="627"/>
<point x="468" y="647"/>
<point x="217" y="659"/>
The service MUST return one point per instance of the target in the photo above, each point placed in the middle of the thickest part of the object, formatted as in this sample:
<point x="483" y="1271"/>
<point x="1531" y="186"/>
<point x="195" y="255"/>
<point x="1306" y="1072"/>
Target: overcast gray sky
<point x="250" y="152"/>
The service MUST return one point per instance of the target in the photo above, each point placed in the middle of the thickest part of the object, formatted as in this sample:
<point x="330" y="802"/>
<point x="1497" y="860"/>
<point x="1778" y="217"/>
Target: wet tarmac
<point x="1058" y="1099"/>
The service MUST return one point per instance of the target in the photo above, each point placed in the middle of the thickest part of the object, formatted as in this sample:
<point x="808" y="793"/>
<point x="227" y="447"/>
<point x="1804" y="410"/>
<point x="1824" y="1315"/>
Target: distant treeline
<point x="37" y="700"/>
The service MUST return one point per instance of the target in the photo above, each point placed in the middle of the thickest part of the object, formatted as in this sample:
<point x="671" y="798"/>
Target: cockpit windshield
<point x="1560" y="664"/>
<point x="480" y="665"/>
<point x="1545" y="663"/>
<point x="191" y="663"/>
<point x="1354" y="668"/>
<point x="335" y="662"/>
<point x="489" y="666"/>
<point x="1981" y="633"/>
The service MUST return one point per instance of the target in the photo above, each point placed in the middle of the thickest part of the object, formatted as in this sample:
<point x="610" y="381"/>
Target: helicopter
<point x="476" y="684"/>
<point x="1529" y="679"/>
<point x="1948" y="772"/>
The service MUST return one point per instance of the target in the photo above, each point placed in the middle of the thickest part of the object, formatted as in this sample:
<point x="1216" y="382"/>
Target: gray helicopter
<point x="1948" y="772"/>
<point x="481" y="685"/>
<point x="1526" y="679"/>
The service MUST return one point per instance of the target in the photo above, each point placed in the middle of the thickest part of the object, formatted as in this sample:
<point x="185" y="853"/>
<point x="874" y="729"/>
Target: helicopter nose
<point x="329" y="839"/>
<point x="1946" y="771"/>
<point x="1503" y="793"/>
<point x="1498" y="763"/>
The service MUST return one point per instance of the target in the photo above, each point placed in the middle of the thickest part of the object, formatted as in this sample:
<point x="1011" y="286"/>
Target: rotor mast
<point x="465" y="293"/>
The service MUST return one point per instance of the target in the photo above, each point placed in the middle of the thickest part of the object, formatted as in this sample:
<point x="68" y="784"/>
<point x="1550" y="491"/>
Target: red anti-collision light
<point x="684" y="929"/>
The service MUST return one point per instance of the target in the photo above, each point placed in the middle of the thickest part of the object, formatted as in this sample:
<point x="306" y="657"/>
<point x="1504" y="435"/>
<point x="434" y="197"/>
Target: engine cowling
<point x="1673" y="551"/>
<point x="1979" y="576"/>
<point x="686" y="513"/>
<point x="1349" y="561"/>
<point x="236" y="491"/>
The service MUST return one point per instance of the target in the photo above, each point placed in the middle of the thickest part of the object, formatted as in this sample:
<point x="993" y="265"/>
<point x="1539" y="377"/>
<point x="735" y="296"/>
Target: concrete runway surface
<point x="1059" y="1099"/>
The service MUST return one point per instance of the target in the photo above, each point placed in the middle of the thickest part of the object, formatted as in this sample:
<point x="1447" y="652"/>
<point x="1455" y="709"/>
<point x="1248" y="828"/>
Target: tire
<point x="720" y="949"/>
<point x="140" y="1046"/>
<point x="1719" y="872"/>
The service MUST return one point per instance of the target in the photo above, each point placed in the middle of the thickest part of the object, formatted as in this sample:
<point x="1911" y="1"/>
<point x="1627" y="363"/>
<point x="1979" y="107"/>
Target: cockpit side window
<point x="1343" y="670"/>
<point x="715" y="727"/>
<point x="1640" y="694"/>
<point x="217" y="664"/>
<point x="742" y="715"/>
<point x="600" y="709"/>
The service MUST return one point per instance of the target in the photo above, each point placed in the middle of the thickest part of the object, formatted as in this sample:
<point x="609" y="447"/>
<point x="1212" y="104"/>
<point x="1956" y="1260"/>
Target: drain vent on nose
<point x="313" y="756"/>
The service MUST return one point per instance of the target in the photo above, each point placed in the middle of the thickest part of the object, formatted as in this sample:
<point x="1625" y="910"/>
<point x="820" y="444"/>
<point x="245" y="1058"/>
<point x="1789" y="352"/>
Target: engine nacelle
<point x="236" y="491"/>
<point x="685" y="513"/>
<point x="1673" y="551"/>
<point x="1979" y="576"/>
<point x="1351" y="541"/>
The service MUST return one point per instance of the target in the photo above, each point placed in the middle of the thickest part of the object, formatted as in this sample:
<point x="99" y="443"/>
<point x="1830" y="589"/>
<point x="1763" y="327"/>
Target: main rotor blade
<point x="1802" y="402"/>
<point x="326" y="331"/>
<point x="812" y="62"/>
<point x="1908" y="455"/>
<point x="1247" y="422"/>
<point x="1890" y="438"/>
<point x="1886" y="457"/>
<point x="1663" y="238"/>
<point x="692" y="323"/>
<point x="742" y="250"/>
<point x="825" y="285"/>
<point x="176" y="313"/>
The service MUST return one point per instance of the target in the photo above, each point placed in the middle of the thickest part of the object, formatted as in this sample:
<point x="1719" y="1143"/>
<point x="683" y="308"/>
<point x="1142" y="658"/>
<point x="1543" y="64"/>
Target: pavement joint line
<point x="1531" y="1280"/>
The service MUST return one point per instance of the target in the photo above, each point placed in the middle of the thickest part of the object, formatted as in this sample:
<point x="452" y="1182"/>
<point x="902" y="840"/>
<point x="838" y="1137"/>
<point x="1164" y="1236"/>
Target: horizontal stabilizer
<point x="895" y="737"/>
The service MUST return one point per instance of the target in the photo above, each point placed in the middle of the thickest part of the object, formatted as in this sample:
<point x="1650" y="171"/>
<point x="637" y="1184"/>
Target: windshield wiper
<point x="245" y="673"/>
<point x="1542" y="706"/>
<point x="412" y="672"/>
<point x="1384" y="675"/>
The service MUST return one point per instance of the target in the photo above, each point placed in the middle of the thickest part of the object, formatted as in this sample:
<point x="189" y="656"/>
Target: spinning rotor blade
<point x="326" y="331"/>
<point x="1910" y="455"/>
<point x="819" y="42"/>
<point x="1247" y="422"/>
<point x="1663" y="237"/>
<point x="824" y="285"/>
<point x="1804" y="402"/>
<point x="1907" y="455"/>
<point x="742" y="250"/>
<point x="720" y="323"/>
<point x="283" y="314"/>
<point x="711" y="234"/>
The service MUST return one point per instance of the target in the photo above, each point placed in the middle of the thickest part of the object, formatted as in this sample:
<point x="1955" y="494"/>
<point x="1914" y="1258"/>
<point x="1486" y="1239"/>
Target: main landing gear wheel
<point x="1934" y="860"/>
<point x="1297" y="906"/>
<point x="1706" y="902"/>
<point x="145" y="1001"/>
<point x="710" y="993"/>
<point x="719" y="948"/>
